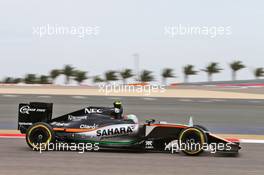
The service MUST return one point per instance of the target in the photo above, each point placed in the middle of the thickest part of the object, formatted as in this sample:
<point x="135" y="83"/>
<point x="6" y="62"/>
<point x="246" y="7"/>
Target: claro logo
<point x="92" y="110"/>
<point x="94" y="126"/>
<point x="27" y="109"/>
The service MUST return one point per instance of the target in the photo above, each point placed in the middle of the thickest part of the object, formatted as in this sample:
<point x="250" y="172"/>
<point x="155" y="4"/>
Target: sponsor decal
<point x="89" y="126"/>
<point x="77" y="118"/>
<point x="24" y="123"/>
<point x="27" y="109"/>
<point x="60" y="124"/>
<point x="115" y="131"/>
<point x="149" y="144"/>
<point x="92" y="111"/>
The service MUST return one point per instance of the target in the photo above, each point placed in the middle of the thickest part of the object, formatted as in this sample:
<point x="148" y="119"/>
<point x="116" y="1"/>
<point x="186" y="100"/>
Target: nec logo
<point x="92" y="110"/>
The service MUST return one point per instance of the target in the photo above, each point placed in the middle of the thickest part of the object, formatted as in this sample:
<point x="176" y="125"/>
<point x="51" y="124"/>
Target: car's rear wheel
<point x="192" y="140"/>
<point x="39" y="135"/>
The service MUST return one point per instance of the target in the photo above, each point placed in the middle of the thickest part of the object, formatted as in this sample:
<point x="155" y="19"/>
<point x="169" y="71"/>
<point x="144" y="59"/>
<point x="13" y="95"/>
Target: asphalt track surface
<point x="17" y="158"/>
<point x="219" y="115"/>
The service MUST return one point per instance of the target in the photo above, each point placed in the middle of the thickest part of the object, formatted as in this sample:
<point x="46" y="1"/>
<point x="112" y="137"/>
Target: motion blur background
<point x="128" y="27"/>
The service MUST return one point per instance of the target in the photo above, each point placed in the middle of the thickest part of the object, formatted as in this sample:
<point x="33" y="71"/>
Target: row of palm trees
<point x="211" y="69"/>
<point x="214" y="68"/>
<point x="68" y="71"/>
<point x="79" y="76"/>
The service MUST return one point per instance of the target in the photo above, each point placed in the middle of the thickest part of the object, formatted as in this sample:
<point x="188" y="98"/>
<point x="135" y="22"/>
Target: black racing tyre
<point x="192" y="140"/>
<point x="39" y="135"/>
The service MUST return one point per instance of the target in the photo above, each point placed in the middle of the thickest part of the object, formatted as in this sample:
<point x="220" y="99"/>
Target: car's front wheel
<point x="192" y="140"/>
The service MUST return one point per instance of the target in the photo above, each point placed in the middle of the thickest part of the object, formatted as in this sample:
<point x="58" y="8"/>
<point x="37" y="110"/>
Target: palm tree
<point x="8" y="80"/>
<point x="54" y="74"/>
<point x="167" y="73"/>
<point x="68" y="71"/>
<point x="110" y="76"/>
<point x="43" y="79"/>
<point x="80" y="76"/>
<point x="97" y="79"/>
<point x="30" y="79"/>
<point x="17" y="80"/>
<point x="125" y="74"/>
<point x="236" y="66"/>
<point x="12" y="80"/>
<point x="211" y="69"/>
<point x="188" y="70"/>
<point x="146" y="76"/>
<point x="259" y="72"/>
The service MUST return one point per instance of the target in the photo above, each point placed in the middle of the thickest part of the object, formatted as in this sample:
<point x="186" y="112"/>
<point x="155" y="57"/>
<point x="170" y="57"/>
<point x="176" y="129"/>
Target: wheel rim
<point x="39" y="136"/>
<point x="192" y="140"/>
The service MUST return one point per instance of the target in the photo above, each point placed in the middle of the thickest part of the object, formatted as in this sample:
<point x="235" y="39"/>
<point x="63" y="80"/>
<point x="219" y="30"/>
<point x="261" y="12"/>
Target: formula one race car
<point x="99" y="125"/>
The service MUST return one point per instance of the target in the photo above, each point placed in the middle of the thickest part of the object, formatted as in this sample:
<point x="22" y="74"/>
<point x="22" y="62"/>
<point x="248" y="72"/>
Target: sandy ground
<point x="181" y="93"/>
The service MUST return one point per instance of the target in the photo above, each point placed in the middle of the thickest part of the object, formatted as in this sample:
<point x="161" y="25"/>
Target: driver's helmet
<point x="117" y="104"/>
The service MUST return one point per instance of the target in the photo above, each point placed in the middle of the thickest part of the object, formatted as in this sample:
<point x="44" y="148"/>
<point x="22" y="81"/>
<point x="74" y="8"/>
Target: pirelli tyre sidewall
<point x="192" y="135"/>
<point x="39" y="135"/>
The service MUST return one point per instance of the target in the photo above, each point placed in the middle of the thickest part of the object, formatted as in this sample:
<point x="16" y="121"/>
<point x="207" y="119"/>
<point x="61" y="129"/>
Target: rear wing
<point x="33" y="112"/>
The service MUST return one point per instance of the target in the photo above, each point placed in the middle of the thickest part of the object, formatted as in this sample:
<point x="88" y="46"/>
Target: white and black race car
<point x="99" y="125"/>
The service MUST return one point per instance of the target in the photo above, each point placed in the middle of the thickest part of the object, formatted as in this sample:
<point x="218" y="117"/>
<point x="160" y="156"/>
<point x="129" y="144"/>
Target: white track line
<point x="205" y="101"/>
<point x="149" y="99"/>
<point x="185" y="100"/>
<point x="44" y="96"/>
<point x="79" y="97"/>
<point x="255" y="101"/>
<point x="114" y="98"/>
<point x="218" y="100"/>
<point x="9" y="95"/>
<point x="251" y="141"/>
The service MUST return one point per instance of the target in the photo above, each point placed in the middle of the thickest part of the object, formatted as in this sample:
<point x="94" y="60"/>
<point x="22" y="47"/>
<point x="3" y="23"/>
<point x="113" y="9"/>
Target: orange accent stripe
<point x="72" y="129"/>
<point x="58" y="129"/>
<point x="232" y="139"/>
<point x="168" y="125"/>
